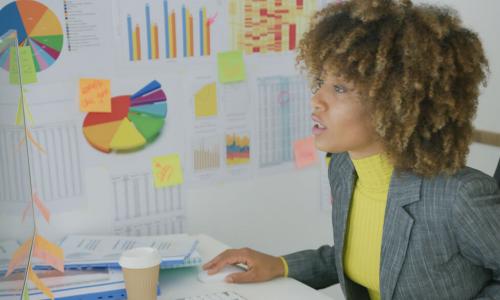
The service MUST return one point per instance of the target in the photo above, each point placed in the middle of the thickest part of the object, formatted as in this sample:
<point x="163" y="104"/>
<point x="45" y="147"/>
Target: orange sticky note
<point x="39" y="284"/>
<point x="41" y="207"/>
<point x="95" y="95"/>
<point x="49" y="252"/>
<point x="167" y="170"/>
<point x="19" y="256"/>
<point x="305" y="152"/>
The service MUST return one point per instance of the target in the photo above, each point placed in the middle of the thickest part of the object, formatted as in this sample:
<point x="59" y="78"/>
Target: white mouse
<point x="219" y="276"/>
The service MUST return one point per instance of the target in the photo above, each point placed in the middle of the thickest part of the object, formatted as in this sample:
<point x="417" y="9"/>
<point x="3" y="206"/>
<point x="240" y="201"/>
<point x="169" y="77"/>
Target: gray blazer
<point x="441" y="238"/>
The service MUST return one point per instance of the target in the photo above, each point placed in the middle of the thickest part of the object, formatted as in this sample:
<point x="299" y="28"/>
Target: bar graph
<point x="185" y="31"/>
<point x="206" y="153"/>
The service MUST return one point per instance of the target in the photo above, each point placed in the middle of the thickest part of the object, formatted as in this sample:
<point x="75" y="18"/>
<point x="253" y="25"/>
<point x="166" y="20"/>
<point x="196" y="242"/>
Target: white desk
<point x="178" y="283"/>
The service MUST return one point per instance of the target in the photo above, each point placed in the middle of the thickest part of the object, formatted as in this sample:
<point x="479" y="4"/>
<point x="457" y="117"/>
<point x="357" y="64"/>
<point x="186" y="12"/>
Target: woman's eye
<point x="317" y="85"/>
<point x="340" y="88"/>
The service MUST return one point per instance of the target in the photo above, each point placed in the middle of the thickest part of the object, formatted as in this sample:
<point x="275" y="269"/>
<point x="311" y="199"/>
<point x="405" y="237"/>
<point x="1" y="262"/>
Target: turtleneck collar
<point x="374" y="172"/>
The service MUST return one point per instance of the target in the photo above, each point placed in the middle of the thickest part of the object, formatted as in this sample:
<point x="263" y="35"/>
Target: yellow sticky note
<point x="205" y="101"/>
<point x="49" y="252"/>
<point x="167" y="170"/>
<point x="95" y="95"/>
<point x="39" y="284"/>
<point x="21" y="113"/>
<point x="305" y="152"/>
<point x="231" y="66"/>
<point x="28" y="69"/>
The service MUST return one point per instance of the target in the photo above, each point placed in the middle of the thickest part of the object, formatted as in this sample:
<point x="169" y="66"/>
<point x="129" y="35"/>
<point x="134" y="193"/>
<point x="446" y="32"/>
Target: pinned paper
<point x="305" y="152"/>
<point x="28" y="69"/>
<point x="50" y="253"/>
<point x="41" y="207"/>
<point x="21" y="113"/>
<point x="231" y="66"/>
<point x="167" y="171"/>
<point x="39" y="284"/>
<point x="95" y="95"/>
<point x="19" y="256"/>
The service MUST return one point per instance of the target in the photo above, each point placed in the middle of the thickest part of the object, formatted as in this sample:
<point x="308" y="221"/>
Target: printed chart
<point x="284" y="116"/>
<point x="37" y="26"/>
<point x="56" y="176"/>
<point x="237" y="149"/>
<point x="169" y="29"/>
<point x="268" y="26"/>
<point x="205" y="101"/>
<point x="134" y="121"/>
<point x="206" y="153"/>
<point x="141" y="209"/>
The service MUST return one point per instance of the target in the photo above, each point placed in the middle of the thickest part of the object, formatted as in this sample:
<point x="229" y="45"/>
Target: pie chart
<point x="134" y="121"/>
<point x="37" y="27"/>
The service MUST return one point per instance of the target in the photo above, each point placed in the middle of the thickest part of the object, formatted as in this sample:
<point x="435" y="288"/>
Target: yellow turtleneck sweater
<point x="363" y="240"/>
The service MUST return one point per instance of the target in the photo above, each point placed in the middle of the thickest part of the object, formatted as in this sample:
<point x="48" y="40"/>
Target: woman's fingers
<point x="228" y="257"/>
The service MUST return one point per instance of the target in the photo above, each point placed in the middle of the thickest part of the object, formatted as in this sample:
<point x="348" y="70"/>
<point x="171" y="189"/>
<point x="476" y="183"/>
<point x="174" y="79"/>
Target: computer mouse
<point x="219" y="276"/>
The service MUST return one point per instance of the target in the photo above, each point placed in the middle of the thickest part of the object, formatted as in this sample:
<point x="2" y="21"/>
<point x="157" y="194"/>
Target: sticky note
<point x="231" y="66"/>
<point x="26" y="295"/>
<point x="19" y="256"/>
<point x="41" y="207"/>
<point x="21" y="113"/>
<point x="167" y="170"/>
<point x="95" y="95"/>
<point x="39" y="284"/>
<point x="205" y="101"/>
<point x="49" y="253"/>
<point x="305" y="152"/>
<point x="28" y="70"/>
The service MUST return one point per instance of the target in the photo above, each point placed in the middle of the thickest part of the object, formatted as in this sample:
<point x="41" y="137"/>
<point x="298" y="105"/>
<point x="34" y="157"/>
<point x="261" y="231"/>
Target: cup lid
<point x="140" y="258"/>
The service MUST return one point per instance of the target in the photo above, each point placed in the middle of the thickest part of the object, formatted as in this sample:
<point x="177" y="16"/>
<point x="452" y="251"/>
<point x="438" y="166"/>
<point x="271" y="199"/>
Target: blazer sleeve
<point x="316" y="268"/>
<point x="476" y="217"/>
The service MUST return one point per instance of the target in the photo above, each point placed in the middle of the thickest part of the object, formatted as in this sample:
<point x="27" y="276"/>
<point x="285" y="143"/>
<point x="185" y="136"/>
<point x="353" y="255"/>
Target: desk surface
<point x="178" y="283"/>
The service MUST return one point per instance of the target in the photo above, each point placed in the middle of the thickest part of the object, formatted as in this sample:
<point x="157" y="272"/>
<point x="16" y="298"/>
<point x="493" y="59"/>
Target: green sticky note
<point x="28" y="70"/>
<point x="231" y="66"/>
<point x="26" y="295"/>
<point x="21" y="113"/>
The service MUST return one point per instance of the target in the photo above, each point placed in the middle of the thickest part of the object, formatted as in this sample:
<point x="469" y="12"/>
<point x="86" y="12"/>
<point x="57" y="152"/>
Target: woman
<point x="397" y="89"/>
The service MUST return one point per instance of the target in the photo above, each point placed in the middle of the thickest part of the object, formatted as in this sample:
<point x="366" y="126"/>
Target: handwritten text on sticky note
<point x="231" y="66"/>
<point x="167" y="170"/>
<point x="95" y="95"/>
<point x="305" y="152"/>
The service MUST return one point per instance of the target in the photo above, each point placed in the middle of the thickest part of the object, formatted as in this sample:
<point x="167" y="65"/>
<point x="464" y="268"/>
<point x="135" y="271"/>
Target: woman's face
<point x="340" y="121"/>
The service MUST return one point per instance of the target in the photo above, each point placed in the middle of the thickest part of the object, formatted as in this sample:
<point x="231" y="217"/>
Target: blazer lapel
<point x="404" y="189"/>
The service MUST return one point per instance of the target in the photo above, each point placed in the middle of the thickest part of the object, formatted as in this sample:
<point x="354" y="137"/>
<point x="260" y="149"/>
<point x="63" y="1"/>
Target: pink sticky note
<point x="41" y="207"/>
<point x="305" y="152"/>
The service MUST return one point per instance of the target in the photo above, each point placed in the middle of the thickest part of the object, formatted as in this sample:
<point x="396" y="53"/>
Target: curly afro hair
<point x="418" y="71"/>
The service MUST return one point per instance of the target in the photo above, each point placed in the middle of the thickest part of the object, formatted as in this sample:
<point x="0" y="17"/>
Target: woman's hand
<point x="261" y="267"/>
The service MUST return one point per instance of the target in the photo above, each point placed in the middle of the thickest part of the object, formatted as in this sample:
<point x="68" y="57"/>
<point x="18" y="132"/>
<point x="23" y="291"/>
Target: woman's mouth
<point x="318" y="127"/>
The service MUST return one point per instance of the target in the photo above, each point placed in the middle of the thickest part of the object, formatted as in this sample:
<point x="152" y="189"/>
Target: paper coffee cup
<point x="141" y="269"/>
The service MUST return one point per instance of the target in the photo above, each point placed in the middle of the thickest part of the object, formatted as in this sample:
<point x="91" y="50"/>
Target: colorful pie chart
<point x="134" y="121"/>
<point x="37" y="27"/>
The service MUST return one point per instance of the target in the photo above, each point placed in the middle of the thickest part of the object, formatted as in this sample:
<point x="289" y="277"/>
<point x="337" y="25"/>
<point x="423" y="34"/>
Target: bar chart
<point x="206" y="153"/>
<point x="182" y="29"/>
